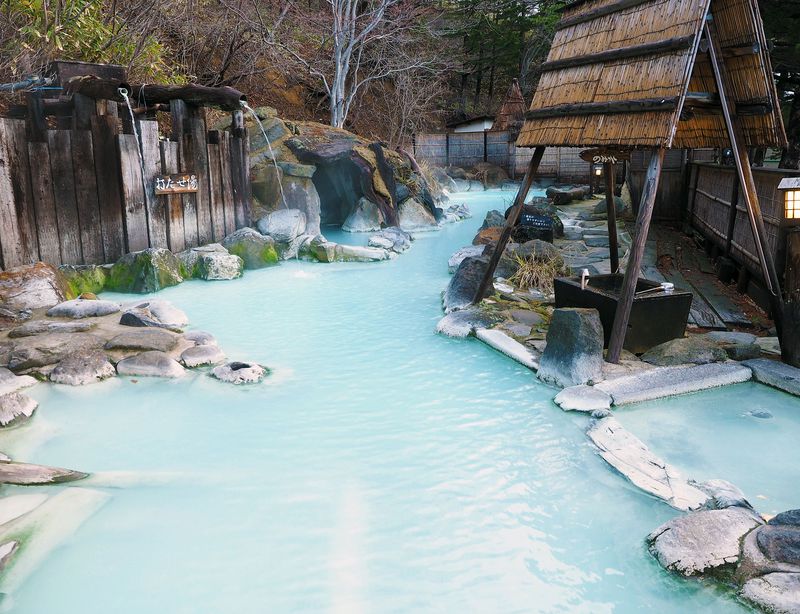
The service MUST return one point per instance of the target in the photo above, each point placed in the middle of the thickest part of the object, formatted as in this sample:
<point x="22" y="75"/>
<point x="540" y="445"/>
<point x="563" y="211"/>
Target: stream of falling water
<point x="278" y="172"/>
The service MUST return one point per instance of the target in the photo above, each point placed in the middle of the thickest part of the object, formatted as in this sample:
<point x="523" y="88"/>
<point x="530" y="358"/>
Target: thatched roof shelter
<point x="511" y="114"/>
<point x="628" y="73"/>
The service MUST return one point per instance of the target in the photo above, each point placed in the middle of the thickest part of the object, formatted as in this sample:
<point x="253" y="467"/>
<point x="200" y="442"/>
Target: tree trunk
<point x="791" y="155"/>
<point x="478" y="76"/>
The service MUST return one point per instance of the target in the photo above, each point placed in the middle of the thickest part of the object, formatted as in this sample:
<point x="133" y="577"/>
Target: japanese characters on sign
<point x="600" y="156"/>
<point x="176" y="184"/>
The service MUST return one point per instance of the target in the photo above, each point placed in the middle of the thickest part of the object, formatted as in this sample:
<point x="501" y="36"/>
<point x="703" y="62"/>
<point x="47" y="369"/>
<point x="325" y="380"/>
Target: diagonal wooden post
<point x="611" y="215"/>
<point x="646" y="205"/>
<point x="511" y="221"/>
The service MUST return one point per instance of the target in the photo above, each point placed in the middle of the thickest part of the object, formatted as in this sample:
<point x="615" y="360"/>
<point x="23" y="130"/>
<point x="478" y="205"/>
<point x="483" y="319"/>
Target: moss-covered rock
<point x="83" y="279"/>
<point x="149" y="270"/>
<point x="256" y="250"/>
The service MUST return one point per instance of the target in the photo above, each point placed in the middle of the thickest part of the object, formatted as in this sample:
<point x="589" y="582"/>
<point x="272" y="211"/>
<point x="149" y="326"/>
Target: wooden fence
<point x="81" y="193"/>
<point x="713" y="189"/>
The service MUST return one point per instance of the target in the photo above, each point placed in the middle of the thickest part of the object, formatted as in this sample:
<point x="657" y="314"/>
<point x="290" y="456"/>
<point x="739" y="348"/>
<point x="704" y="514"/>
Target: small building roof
<point x="628" y="73"/>
<point x="461" y="121"/>
<point x="511" y="114"/>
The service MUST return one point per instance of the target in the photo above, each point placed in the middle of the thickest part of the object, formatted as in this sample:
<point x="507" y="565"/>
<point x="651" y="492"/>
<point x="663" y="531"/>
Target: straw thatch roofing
<point x="511" y="114"/>
<point x="645" y="57"/>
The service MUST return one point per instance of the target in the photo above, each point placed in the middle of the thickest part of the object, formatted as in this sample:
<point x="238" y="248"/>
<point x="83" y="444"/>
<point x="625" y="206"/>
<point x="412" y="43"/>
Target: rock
<point x="82" y="368"/>
<point x="775" y="592"/>
<point x="489" y="236"/>
<point x="240" y="372"/>
<point x="703" y="541"/>
<point x="322" y="249"/>
<point x="200" y="355"/>
<point x="540" y="207"/>
<point x="82" y="308"/>
<point x="460" y="324"/>
<point x="516" y="329"/>
<point x="595" y="240"/>
<point x="458" y="212"/>
<point x="156" y="314"/>
<point x="489" y="174"/>
<point x="696" y="350"/>
<point x="538" y="250"/>
<point x="456" y="172"/>
<point x="355" y="253"/>
<point x="504" y="344"/>
<point x="671" y="381"/>
<point x="199" y="337"/>
<point x="628" y="455"/>
<point x="413" y="215"/>
<point x="464" y="252"/>
<point x="146" y="271"/>
<point x="574" y="352"/>
<point x="12" y="383"/>
<point x="463" y="286"/>
<point x="583" y="398"/>
<point x="563" y="195"/>
<point x="40" y="351"/>
<point x="283" y="225"/>
<point x="84" y="278"/>
<point x="145" y="339"/>
<point x="526" y="316"/>
<point x="761" y="414"/>
<point x="211" y="262"/>
<point x="779" y="540"/>
<point x="776" y="374"/>
<point x="724" y="336"/>
<point x="366" y="217"/>
<point x="26" y="474"/>
<point x="297" y="248"/>
<point x="722" y="494"/>
<point x="601" y="206"/>
<point x="150" y="364"/>
<point x="256" y="250"/>
<point x="31" y="287"/>
<point x="43" y="327"/>
<point x="397" y="239"/>
<point x="15" y="409"/>
<point x="493" y="219"/>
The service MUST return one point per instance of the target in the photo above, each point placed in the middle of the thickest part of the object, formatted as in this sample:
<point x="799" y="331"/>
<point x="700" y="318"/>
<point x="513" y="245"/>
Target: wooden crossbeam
<point x="605" y="108"/>
<point x="659" y="47"/>
<point x="608" y="9"/>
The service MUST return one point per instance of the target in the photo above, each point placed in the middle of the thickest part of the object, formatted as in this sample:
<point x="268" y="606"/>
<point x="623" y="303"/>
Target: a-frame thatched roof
<point x="632" y="73"/>
<point x="511" y="114"/>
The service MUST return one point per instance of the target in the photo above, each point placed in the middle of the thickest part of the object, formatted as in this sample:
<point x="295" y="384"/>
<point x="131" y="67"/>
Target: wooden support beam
<point x="746" y="181"/>
<point x="641" y="105"/>
<point x="732" y="216"/>
<point x="511" y="221"/>
<point x="659" y="47"/>
<point x="608" y="9"/>
<point x="611" y="215"/>
<point x="646" y="206"/>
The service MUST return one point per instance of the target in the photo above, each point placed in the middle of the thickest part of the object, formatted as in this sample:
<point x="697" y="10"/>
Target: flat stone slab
<point x="774" y="592"/>
<point x="150" y="364"/>
<point x="144" y="339"/>
<point x="44" y="327"/>
<point x="9" y="382"/>
<point x="776" y="374"/>
<point x="699" y="542"/>
<point x="200" y="337"/>
<point x="583" y="398"/>
<point x="463" y="323"/>
<point x="670" y="381"/>
<point x="27" y="474"/>
<point x="16" y="408"/>
<point x="44" y="350"/>
<point x="82" y="368"/>
<point x="240" y="373"/>
<point x="505" y="344"/>
<point x="769" y="345"/>
<point x="628" y="455"/>
<point x="83" y="308"/>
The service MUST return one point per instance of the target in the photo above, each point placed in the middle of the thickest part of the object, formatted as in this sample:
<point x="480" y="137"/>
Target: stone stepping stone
<point x="463" y="323"/>
<point x="43" y="327"/>
<point x="27" y="474"/>
<point x="628" y="455"/>
<point x="670" y="381"/>
<point x="526" y="316"/>
<point x="200" y="337"/>
<point x="583" y="398"/>
<point x="16" y="409"/>
<point x="505" y="344"/>
<point x="240" y="373"/>
<point x="83" y="308"/>
<point x="150" y="364"/>
<point x="776" y="374"/>
<point x="82" y="368"/>
<point x="145" y="339"/>
<point x="201" y="355"/>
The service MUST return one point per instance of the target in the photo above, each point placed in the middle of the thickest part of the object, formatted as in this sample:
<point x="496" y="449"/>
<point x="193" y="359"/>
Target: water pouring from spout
<point x="278" y="173"/>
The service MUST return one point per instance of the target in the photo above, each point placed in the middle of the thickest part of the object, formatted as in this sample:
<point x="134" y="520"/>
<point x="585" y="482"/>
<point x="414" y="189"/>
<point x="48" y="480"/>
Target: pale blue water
<point x="382" y="469"/>
<point x="715" y="434"/>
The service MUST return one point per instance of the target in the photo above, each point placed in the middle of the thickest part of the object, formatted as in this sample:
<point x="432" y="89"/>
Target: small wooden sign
<point x="603" y="155"/>
<point x="182" y="183"/>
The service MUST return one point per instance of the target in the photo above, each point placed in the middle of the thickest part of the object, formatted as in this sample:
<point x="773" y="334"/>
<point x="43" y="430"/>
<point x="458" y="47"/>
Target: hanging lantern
<point x="598" y="170"/>
<point x="790" y="186"/>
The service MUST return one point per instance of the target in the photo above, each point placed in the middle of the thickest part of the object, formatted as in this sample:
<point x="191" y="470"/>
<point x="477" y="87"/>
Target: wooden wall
<point x="83" y="195"/>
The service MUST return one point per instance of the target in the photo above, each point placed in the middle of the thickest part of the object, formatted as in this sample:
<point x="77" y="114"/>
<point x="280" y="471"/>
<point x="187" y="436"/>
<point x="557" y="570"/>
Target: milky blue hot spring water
<point x="380" y="468"/>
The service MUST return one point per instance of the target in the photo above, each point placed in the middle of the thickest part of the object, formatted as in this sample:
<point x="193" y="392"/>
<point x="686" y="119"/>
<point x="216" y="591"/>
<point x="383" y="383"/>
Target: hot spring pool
<point x="381" y="468"/>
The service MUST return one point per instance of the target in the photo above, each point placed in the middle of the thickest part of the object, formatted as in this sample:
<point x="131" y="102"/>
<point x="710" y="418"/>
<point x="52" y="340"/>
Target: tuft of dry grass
<point x="539" y="274"/>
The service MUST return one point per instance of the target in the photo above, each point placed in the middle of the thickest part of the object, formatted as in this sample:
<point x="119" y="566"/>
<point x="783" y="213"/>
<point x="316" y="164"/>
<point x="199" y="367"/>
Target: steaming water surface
<point x="381" y="468"/>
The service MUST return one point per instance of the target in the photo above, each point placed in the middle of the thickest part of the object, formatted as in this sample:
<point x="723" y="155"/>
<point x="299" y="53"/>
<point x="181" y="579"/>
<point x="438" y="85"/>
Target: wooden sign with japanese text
<point x="605" y="155"/>
<point x="182" y="183"/>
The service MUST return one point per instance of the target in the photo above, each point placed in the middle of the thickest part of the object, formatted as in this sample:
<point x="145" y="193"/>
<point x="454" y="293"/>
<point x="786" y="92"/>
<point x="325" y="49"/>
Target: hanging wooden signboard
<point x="182" y="183"/>
<point x="603" y="155"/>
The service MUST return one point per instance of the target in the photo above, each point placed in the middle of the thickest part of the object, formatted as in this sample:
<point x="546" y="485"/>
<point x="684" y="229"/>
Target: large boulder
<point x="493" y="218"/>
<point x="41" y="351"/>
<point x="211" y="262"/>
<point x="146" y="271"/>
<point x="156" y="314"/>
<point x="540" y="207"/>
<point x="464" y="284"/>
<point x="202" y="355"/>
<point x="491" y="175"/>
<point x="697" y="350"/>
<point x="31" y="287"/>
<point x="255" y="250"/>
<point x="562" y="195"/>
<point x="392" y="238"/>
<point x="82" y="278"/>
<point x="703" y="541"/>
<point x="415" y="216"/>
<point x="574" y="351"/>
<point x="150" y="364"/>
<point x="488" y="236"/>
<point x="775" y="592"/>
<point x="82" y="368"/>
<point x="144" y="340"/>
<point x="464" y="252"/>
<point x="366" y="217"/>
<point x="283" y="225"/>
